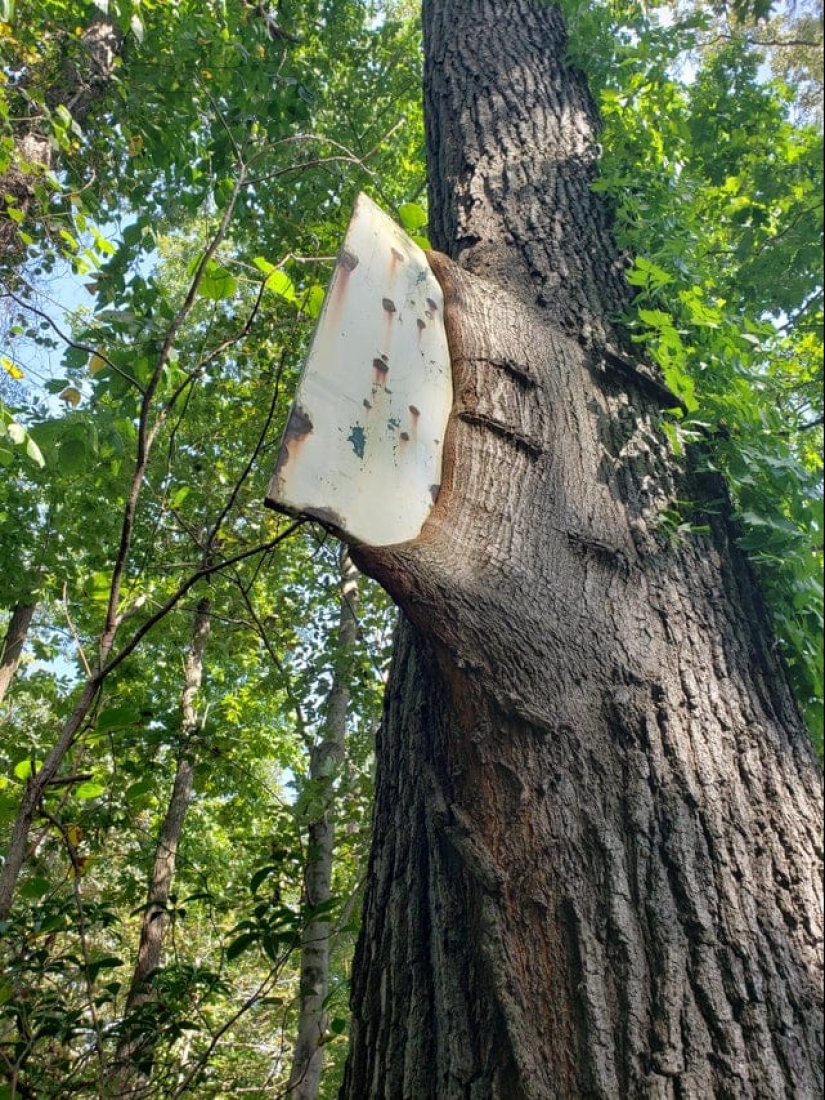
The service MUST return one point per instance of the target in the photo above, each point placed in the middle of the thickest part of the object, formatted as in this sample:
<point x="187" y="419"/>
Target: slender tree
<point x="596" y="868"/>
<point x="11" y="649"/>
<point x="133" y="1062"/>
<point x="325" y="761"/>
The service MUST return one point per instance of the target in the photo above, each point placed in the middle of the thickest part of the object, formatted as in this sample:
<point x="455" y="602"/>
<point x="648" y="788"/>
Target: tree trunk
<point x="133" y="1060"/>
<point x="596" y="867"/>
<point x="81" y="83"/>
<point x="325" y="760"/>
<point x="12" y="648"/>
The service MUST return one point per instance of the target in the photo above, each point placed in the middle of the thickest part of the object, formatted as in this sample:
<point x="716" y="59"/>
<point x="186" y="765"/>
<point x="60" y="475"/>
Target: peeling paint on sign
<point x="357" y="437"/>
<point x="364" y="437"/>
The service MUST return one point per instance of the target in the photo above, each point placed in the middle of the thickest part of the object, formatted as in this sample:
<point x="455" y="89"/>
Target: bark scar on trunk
<point x="533" y="447"/>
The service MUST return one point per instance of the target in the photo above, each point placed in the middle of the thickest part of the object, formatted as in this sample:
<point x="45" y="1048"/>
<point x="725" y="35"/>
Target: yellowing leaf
<point x="101" y="244"/>
<point x="96" y="363"/>
<point x="11" y="368"/>
<point x="69" y="239"/>
<point x="71" y="396"/>
<point x="80" y="864"/>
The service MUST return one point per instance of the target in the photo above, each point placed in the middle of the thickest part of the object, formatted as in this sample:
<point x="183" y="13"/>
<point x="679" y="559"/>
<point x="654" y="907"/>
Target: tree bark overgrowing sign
<point x="596" y="868"/>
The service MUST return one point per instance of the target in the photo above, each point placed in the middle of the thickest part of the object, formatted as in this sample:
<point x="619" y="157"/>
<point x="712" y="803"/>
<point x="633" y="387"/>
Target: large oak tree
<point x="596" y="868"/>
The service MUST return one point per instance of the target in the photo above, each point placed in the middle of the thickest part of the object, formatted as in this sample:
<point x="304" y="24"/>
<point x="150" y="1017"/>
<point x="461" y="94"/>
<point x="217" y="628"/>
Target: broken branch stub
<point x="362" y="447"/>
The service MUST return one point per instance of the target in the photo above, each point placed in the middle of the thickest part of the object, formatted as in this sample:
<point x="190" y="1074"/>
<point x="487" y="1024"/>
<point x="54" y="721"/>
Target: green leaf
<point x="137" y="790"/>
<point x="89" y="789"/>
<point x="35" y="887"/>
<point x="217" y="283"/>
<point x="97" y="587"/>
<point x="281" y="284"/>
<point x="260" y="875"/>
<point x="107" y="962"/>
<point x="72" y="455"/>
<point x="656" y="318"/>
<point x="682" y="385"/>
<point x="647" y="274"/>
<point x="674" y="438"/>
<point x="25" y="769"/>
<point x="263" y="265"/>
<point x="241" y="944"/>
<point x="322" y="909"/>
<point x="313" y="300"/>
<point x="412" y="216"/>
<point x="117" y="717"/>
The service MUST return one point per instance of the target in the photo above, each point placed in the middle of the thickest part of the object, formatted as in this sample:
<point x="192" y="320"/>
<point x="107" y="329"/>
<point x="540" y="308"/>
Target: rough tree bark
<point x="596" y="867"/>
<point x="325" y="761"/>
<point x="12" y="648"/>
<point x="132" y="1065"/>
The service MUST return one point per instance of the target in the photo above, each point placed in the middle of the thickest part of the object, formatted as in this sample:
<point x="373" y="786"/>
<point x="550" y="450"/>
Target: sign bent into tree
<point x="361" y="451"/>
<point x="597" y="846"/>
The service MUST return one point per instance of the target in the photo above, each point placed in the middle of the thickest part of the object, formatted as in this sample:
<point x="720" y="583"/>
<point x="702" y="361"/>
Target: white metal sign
<point x="362" y="446"/>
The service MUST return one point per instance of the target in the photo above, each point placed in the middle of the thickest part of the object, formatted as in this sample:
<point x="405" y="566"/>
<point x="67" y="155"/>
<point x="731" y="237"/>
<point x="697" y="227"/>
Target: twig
<point x="752" y="40"/>
<point x="177" y="596"/>
<point x="69" y="341"/>
<point x="250" y="1002"/>
<point x="255" y="451"/>
<point x="279" y="665"/>
<point x="73" y="632"/>
<point x="147" y="433"/>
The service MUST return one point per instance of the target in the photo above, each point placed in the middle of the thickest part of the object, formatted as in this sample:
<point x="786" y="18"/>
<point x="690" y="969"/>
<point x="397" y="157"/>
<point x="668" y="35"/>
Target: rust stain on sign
<point x="354" y="448"/>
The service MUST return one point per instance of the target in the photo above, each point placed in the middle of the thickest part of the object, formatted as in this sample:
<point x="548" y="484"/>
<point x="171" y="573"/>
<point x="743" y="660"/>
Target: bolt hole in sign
<point x="361" y="451"/>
